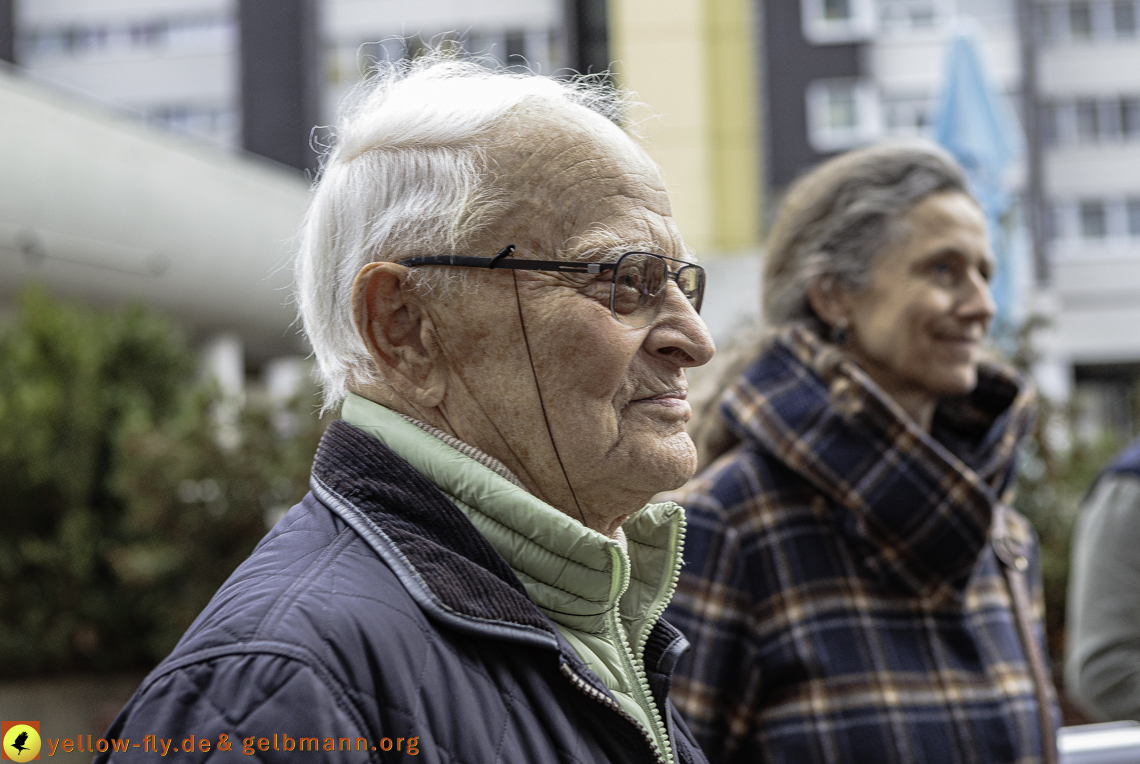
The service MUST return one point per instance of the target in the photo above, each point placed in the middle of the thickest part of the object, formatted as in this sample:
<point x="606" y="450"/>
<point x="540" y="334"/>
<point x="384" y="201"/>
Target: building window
<point x="835" y="21"/>
<point x="913" y="14"/>
<point x="842" y="113"/>
<point x="218" y="123"/>
<point x="1124" y="17"/>
<point x="514" y="44"/>
<point x="193" y="34"/>
<point x="1111" y="221"/>
<point x="1094" y="220"/>
<point x="1047" y="121"/>
<point x="1090" y="120"/>
<point x="907" y="115"/>
<point x="1051" y="222"/>
<point x="1132" y="206"/>
<point x="837" y="10"/>
<point x="1130" y="117"/>
<point x="1109" y="119"/>
<point x="1081" y="20"/>
<point x="531" y="48"/>
<point x="146" y="35"/>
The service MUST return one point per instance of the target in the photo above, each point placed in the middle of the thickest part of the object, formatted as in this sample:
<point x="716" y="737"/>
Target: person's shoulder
<point x="737" y="479"/>
<point x="1127" y="462"/>
<point x="286" y="640"/>
<point x="225" y="700"/>
<point x="312" y="583"/>
<point x="1112" y="503"/>
<point x="1116" y="490"/>
<point x="744" y="514"/>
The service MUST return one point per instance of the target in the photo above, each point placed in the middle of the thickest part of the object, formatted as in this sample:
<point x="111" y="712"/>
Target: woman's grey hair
<point x="407" y="175"/>
<point x="837" y="219"/>
<point x="833" y="224"/>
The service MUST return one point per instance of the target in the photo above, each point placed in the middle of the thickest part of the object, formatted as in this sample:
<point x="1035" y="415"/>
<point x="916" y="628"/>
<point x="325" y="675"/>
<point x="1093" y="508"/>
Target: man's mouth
<point x="670" y="397"/>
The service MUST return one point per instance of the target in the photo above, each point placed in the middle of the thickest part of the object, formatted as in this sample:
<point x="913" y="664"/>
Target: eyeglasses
<point x="637" y="286"/>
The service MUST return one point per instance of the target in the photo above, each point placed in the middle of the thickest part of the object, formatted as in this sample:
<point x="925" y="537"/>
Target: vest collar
<point x="573" y="573"/>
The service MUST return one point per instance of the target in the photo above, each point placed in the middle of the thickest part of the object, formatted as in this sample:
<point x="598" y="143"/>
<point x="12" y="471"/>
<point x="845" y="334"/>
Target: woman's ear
<point x="398" y="333"/>
<point x="829" y="301"/>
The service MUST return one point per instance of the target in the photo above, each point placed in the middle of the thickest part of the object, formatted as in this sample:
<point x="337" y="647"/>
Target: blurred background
<point x="156" y="403"/>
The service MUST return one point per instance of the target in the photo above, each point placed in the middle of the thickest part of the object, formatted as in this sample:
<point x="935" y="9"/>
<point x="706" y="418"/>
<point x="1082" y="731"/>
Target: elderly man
<point x="494" y="287"/>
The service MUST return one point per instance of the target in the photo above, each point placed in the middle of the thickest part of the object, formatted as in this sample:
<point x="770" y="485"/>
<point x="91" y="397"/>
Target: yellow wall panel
<point x="691" y="63"/>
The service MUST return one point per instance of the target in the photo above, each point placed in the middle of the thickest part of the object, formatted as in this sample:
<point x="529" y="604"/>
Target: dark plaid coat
<point x="839" y="590"/>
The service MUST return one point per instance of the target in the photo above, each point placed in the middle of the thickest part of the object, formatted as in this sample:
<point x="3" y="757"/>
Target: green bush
<point x="1057" y="467"/>
<point x="120" y="511"/>
<point x="1051" y="485"/>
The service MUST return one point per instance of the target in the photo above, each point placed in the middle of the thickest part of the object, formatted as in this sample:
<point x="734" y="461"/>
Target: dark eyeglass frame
<point x="570" y="266"/>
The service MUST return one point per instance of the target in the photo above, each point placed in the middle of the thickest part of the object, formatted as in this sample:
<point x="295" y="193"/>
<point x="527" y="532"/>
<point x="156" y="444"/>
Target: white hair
<point x="408" y="176"/>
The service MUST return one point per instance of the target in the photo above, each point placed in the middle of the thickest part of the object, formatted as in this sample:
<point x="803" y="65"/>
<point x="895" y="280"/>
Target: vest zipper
<point x="593" y="693"/>
<point x="638" y="659"/>
<point x="636" y="671"/>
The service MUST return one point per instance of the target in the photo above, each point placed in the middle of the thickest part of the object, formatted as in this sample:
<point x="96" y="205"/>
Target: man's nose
<point x="679" y="333"/>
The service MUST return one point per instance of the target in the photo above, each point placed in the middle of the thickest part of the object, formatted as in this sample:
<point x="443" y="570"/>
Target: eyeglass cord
<point x="550" y="434"/>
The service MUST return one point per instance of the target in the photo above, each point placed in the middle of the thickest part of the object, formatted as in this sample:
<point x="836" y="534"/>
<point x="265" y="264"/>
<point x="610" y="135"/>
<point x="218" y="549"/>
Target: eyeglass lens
<point x="639" y="284"/>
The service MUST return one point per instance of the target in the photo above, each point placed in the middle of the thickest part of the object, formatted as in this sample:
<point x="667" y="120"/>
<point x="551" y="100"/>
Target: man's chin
<point x="672" y="463"/>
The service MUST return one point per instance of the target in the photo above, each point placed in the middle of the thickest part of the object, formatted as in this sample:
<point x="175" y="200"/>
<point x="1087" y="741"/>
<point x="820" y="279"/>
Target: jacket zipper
<point x="591" y="692"/>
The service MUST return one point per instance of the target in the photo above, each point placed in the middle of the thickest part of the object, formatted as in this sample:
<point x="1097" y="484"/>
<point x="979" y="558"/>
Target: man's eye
<point x="628" y="281"/>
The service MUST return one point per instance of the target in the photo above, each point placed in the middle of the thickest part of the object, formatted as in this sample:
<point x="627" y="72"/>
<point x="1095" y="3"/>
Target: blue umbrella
<point x="973" y="125"/>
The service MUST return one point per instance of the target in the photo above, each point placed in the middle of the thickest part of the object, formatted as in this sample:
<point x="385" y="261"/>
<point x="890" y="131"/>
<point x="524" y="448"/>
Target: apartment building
<point x="358" y="34"/>
<point x="1089" y="75"/>
<point x="833" y="74"/>
<point x="843" y="73"/>
<point x="173" y="63"/>
<point x="234" y="75"/>
<point x="179" y="64"/>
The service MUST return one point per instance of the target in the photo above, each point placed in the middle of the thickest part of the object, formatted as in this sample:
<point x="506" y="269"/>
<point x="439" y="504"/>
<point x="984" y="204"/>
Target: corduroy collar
<point x="573" y="573"/>
<point x="456" y="563"/>
<point x="431" y="539"/>
<point x="919" y="505"/>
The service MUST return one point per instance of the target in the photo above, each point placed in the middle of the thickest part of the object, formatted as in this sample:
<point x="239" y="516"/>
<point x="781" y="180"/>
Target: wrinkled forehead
<point x="581" y="188"/>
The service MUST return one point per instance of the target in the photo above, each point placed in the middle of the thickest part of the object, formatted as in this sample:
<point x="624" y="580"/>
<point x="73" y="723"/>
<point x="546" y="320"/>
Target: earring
<point x="839" y="332"/>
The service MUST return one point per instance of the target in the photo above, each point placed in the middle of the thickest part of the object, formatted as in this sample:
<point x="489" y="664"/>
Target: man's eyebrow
<point x="597" y="254"/>
<point x="610" y="251"/>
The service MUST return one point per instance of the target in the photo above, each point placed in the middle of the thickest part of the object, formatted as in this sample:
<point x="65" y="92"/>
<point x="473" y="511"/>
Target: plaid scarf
<point x="842" y="598"/>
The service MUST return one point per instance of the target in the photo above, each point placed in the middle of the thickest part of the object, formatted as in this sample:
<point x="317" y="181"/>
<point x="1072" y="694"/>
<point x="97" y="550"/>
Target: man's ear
<point x="398" y="333"/>
<point x="829" y="301"/>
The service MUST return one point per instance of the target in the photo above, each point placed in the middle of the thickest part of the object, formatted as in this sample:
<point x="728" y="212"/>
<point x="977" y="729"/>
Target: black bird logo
<point x="18" y="743"/>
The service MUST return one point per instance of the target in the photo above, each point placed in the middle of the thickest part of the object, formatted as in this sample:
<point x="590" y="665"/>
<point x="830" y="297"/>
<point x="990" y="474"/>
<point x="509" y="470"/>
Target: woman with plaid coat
<point x="841" y="589"/>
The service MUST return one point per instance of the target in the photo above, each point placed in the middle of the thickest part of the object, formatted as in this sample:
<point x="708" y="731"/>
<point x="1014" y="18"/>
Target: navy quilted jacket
<point x="375" y="623"/>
